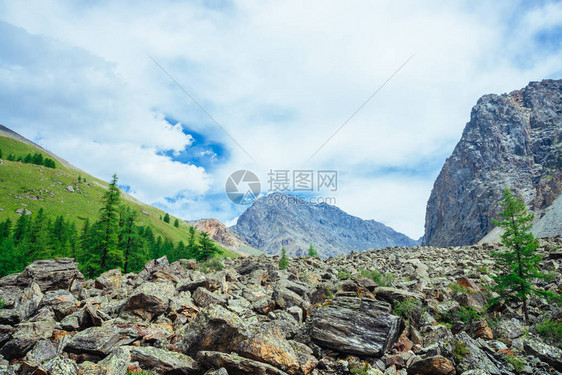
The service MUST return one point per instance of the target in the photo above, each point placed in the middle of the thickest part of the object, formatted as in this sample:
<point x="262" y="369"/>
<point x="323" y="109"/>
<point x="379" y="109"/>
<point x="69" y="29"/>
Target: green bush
<point x="516" y="362"/>
<point x="1" y="302"/>
<point x="212" y="265"/>
<point x="460" y="351"/>
<point x="385" y="279"/>
<point x="455" y="287"/>
<point x="550" y="331"/>
<point x="407" y="307"/>
<point x="343" y="275"/>
<point x="467" y="314"/>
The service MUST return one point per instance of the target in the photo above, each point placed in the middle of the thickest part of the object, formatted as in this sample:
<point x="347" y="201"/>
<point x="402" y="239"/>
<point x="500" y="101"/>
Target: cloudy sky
<point x="280" y="77"/>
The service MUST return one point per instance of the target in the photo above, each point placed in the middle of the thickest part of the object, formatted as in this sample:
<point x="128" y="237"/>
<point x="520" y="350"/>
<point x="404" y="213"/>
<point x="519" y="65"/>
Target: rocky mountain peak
<point x="279" y="220"/>
<point x="511" y="141"/>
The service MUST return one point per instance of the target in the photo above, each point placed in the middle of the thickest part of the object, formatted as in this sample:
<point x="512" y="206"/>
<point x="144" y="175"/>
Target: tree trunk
<point x="525" y="310"/>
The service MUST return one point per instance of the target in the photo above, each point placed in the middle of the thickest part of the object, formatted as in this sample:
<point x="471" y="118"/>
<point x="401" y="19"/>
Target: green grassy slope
<point x="31" y="187"/>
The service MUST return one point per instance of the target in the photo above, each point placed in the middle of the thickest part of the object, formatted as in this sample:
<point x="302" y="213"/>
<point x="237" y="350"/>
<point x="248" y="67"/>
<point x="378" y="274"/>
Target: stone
<point x="483" y="330"/>
<point x="471" y="356"/>
<point x="214" y="328"/>
<point x="150" y="299"/>
<point x="236" y="365"/>
<point x="61" y="366"/>
<point x="204" y="298"/>
<point x="51" y="274"/>
<point x="390" y="295"/>
<point x="355" y="326"/>
<point x="42" y="351"/>
<point x="61" y="302"/>
<point x="437" y="365"/>
<point x="102" y="340"/>
<point x="29" y="301"/>
<point x="162" y="361"/>
<point x="109" y="280"/>
<point x="116" y="363"/>
<point x="25" y="336"/>
<point x="509" y="329"/>
<point x="545" y="352"/>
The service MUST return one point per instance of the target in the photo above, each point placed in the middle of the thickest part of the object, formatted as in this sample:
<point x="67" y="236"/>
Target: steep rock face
<point x="279" y="220"/>
<point x="512" y="141"/>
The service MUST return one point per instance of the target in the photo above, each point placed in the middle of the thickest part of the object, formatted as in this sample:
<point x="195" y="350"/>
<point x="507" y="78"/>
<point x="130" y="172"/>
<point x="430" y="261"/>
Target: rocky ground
<point x="317" y="317"/>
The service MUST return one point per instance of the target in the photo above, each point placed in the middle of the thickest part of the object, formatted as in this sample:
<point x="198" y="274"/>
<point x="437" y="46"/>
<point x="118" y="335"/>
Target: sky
<point x="175" y="96"/>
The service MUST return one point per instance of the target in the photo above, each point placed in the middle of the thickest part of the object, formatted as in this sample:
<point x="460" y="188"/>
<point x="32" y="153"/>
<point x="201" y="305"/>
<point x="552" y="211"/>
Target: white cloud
<point x="280" y="77"/>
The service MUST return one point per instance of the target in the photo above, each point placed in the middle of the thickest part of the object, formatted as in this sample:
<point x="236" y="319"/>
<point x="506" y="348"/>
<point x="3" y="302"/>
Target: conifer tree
<point x="519" y="262"/>
<point x="12" y="157"/>
<point x="207" y="248"/>
<point x="21" y="229"/>
<point x="38" y="242"/>
<point x="312" y="251"/>
<point x="167" y="218"/>
<point x="0" y="153"/>
<point x="27" y="158"/>
<point x="176" y="223"/>
<point x="108" y="251"/>
<point x="5" y="230"/>
<point x="283" y="262"/>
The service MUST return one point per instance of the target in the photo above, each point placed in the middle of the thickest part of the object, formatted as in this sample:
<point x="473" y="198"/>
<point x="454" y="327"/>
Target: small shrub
<point x="385" y="279"/>
<point x="329" y="294"/>
<point x="467" y="314"/>
<point x="407" y="307"/>
<point x="212" y="265"/>
<point x="460" y="351"/>
<point x="1" y="302"/>
<point x="550" y="331"/>
<point x="455" y="287"/>
<point x="343" y="275"/>
<point x="517" y="363"/>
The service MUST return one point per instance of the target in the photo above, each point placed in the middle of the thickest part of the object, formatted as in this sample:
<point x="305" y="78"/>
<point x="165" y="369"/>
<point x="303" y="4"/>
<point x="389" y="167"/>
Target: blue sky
<point x="280" y="77"/>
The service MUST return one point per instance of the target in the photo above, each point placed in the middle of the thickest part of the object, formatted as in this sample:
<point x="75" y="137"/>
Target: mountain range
<point x="278" y="220"/>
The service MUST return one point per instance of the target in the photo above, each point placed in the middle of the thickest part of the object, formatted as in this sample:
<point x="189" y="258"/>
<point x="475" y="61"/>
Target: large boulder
<point x="214" y="328"/>
<point x="436" y="365"/>
<point x="546" y="353"/>
<point x="358" y="326"/>
<point x="150" y="299"/>
<point x="25" y="336"/>
<point x="51" y="274"/>
<point x="102" y="340"/>
<point x="162" y="361"/>
<point x="236" y="365"/>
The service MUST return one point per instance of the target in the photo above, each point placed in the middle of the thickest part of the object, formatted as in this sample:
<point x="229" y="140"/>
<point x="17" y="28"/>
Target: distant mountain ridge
<point x="511" y="141"/>
<point x="279" y="220"/>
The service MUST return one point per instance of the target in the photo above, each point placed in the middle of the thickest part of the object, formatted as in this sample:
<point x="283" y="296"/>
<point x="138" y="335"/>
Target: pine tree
<point x="176" y="223"/>
<point x="37" y="159"/>
<point x="5" y="230"/>
<point x="21" y="229"/>
<point x="312" y="251"/>
<point x="27" y="158"/>
<point x="38" y="242"/>
<point x="167" y="218"/>
<point x="181" y="251"/>
<point x="283" y="262"/>
<point x="192" y="248"/>
<point x="111" y="256"/>
<point x="0" y="153"/>
<point x="12" y="157"/>
<point x="207" y="248"/>
<point x="519" y="262"/>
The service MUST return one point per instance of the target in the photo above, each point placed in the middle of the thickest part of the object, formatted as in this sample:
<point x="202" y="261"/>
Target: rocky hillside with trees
<point x="512" y="141"/>
<point x="373" y="312"/>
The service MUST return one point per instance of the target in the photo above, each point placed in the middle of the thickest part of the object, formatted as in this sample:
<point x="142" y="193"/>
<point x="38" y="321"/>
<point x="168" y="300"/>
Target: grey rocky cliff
<point x="279" y="220"/>
<point x="512" y="141"/>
